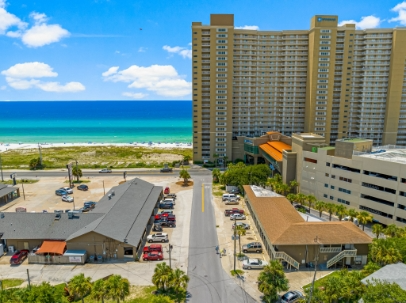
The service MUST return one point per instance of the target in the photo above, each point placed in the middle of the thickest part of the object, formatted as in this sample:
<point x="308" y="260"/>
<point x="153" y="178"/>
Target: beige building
<point x="356" y="174"/>
<point x="334" y="81"/>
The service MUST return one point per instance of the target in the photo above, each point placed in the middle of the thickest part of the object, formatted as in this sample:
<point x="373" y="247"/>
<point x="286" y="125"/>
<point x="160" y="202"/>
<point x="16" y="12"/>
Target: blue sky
<point x="95" y="50"/>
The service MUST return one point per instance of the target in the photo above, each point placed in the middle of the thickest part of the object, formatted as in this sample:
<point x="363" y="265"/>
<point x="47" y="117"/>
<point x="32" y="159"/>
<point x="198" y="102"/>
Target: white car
<point x="67" y="198"/>
<point x="158" y="237"/>
<point x="242" y="224"/>
<point x="168" y="200"/>
<point x="254" y="263"/>
<point x="237" y="217"/>
<point x="67" y="189"/>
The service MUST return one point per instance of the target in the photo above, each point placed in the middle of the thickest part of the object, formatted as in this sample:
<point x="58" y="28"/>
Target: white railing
<point x="328" y="250"/>
<point x="340" y="256"/>
<point x="284" y="256"/>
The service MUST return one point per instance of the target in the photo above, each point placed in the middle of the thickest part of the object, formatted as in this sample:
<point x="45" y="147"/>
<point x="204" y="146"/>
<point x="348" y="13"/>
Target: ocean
<point x="95" y="121"/>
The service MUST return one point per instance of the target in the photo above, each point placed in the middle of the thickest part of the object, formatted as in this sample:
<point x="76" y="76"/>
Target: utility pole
<point x="1" y="169"/>
<point x="316" y="240"/>
<point x="40" y="155"/>
<point x="170" y="259"/>
<point x="77" y="171"/>
<point x="125" y="176"/>
<point x="22" y="184"/>
<point x="29" y="282"/>
<point x="104" y="188"/>
<point x="235" y="242"/>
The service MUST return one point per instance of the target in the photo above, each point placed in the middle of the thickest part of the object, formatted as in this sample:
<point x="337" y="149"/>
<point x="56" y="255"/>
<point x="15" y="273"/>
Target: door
<point x="128" y="252"/>
<point x="26" y="246"/>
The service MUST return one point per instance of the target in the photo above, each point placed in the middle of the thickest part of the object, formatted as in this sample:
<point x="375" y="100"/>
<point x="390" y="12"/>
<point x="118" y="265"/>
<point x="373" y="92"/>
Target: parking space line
<point x="202" y="197"/>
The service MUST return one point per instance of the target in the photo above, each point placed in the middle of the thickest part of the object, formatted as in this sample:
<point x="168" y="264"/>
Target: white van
<point x="231" y="197"/>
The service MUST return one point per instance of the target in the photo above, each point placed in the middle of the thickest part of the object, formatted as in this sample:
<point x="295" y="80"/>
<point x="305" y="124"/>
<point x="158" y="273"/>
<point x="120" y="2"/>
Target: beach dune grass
<point x="95" y="157"/>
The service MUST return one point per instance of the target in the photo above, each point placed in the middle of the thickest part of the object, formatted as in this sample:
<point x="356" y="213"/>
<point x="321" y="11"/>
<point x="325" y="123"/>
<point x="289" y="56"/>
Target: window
<point x="325" y="37"/>
<point x="327" y="175"/>
<point x="222" y="30"/>
<point x="324" y="48"/>
<point x="327" y="163"/>
<point x="377" y="212"/>
<point x="346" y="180"/>
<point x="331" y="198"/>
<point x="380" y="188"/>
<point x="310" y="160"/>
<point x="378" y="175"/>
<point x="325" y="31"/>
<point x="354" y="170"/>
<point x="344" y="190"/>
<point x="324" y="53"/>
<point x="401" y="206"/>
<point x="343" y="201"/>
<point x="377" y="200"/>
<point x="333" y="176"/>
<point x="222" y="53"/>
<point x="221" y="41"/>
<point x="325" y="185"/>
<point x="399" y="219"/>
<point x="332" y="186"/>
<point x="325" y="196"/>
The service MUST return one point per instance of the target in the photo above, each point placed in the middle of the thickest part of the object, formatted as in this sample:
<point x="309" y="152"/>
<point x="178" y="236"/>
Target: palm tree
<point x="301" y="199"/>
<point x="216" y="174"/>
<point x="178" y="279"/>
<point x="272" y="280"/>
<point x="241" y="231"/>
<point x="391" y="231"/>
<point x="294" y="185"/>
<point x="330" y="207"/>
<point x="161" y="299"/>
<point x="352" y="213"/>
<point x="118" y="287"/>
<point x="310" y="201"/>
<point x="186" y="159"/>
<point x="384" y="252"/>
<point x="377" y="229"/>
<point x="185" y="175"/>
<point x="99" y="290"/>
<point x="285" y="188"/>
<point x="370" y="268"/>
<point x="341" y="211"/>
<point x="161" y="276"/>
<point x="77" y="172"/>
<point x="320" y="206"/>
<point x="291" y="197"/>
<point x="363" y="218"/>
<point x="80" y="286"/>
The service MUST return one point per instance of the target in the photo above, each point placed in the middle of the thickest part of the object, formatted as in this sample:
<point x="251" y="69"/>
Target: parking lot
<point x="41" y="196"/>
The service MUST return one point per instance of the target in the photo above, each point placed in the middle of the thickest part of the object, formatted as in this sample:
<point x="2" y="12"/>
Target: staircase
<point x="343" y="254"/>
<point x="284" y="256"/>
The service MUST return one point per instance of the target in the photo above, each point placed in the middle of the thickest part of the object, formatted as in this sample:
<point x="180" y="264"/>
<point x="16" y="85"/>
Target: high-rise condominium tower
<point x="332" y="80"/>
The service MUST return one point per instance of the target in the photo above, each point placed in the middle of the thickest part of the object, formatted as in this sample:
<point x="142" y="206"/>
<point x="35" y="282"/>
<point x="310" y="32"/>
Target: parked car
<point x="166" y="169"/>
<point x="254" y="264"/>
<point x="301" y="208"/>
<point x="252" y="247"/>
<point x="291" y="296"/>
<point x="166" y="205"/>
<point x="153" y="256"/>
<point x="166" y="211"/>
<point x="231" y="201"/>
<point x="89" y="204"/>
<point x="166" y="200"/>
<point x="231" y="196"/>
<point x="237" y="217"/>
<point x="244" y="225"/>
<point x="67" y="189"/>
<point x="84" y="209"/>
<point x="67" y="210"/>
<point x="167" y="191"/>
<point x="229" y="212"/>
<point x="152" y="247"/>
<point x="167" y="223"/>
<point x="158" y="237"/>
<point x="234" y="191"/>
<point x="67" y="198"/>
<point x="58" y="211"/>
<point x="19" y="256"/>
<point x="61" y="192"/>
<point x="83" y="187"/>
<point x="173" y="196"/>
<point x="157" y="226"/>
<point x="105" y="170"/>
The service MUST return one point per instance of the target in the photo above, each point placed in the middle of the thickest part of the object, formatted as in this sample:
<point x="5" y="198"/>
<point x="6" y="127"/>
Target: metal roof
<point x="4" y="190"/>
<point x="390" y="273"/>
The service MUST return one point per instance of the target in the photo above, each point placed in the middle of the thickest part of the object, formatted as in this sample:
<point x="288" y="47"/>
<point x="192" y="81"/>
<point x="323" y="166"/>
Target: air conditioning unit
<point x="11" y="249"/>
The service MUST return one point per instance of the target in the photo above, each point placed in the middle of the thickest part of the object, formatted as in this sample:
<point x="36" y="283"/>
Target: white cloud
<point x="30" y="70"/>
<point x="3" y="87"/>
<point x="163" y="80"/>
<point x="182" y="51"/>
<point x="364" y="23"/>
<point x="142" y="49"/>
<point x="24" y="76"/>
<point x="251" y="27"/>
<point x="401" y="10"/>
<point x="135" y="95"/>
<point x="39" y="34"/>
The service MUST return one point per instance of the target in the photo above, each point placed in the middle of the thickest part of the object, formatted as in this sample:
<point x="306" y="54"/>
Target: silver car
<point x="244" y="225"/>
<point x="254" y="264"/>
<point x="291" y="296"/>
<point x="67" y="189"/>
<point x="237" y="217"/>
<point x="67" y="198"/>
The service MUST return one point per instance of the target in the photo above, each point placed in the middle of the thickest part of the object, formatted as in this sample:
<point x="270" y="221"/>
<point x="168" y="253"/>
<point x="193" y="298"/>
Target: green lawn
<point x="95" y="157"/>
<point x="320" y="282"/>
<point x="19" y="181"/>
<point x="7" y="283"/>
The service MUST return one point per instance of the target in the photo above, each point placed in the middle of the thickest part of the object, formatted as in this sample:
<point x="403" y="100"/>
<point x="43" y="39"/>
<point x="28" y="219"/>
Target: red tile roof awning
<point x="52" y="247"/>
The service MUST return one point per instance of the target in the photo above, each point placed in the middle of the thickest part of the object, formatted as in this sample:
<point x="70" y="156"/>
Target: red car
<point x="152" y="247"/>
<point x="153" y="256"/>
<point x="19" y="256"/>
<point x="167" y="190"/>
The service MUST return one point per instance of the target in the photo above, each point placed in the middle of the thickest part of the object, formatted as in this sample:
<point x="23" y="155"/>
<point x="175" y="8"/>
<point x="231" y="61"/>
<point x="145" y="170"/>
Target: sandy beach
<point x="5" y="146"/>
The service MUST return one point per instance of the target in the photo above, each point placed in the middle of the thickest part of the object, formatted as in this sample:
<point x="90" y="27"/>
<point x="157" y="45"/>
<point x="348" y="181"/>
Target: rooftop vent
<point x="2" y="215"/>
<point x="70" y="215"/>
<point x="113" y="193"/>
<point x="109" y="196"/>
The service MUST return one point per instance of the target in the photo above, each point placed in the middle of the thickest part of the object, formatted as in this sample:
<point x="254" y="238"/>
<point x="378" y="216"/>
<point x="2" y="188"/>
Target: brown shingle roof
<point x="285" y="226"/>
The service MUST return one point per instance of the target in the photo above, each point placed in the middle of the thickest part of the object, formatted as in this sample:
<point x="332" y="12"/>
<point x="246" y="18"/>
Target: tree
<point x="185" y="175"/>
<point x="35" y="163"/>
<point x="384" y="252"/>
<point x="294" y="185"/>
<point x="215" y="156"/>
<point x="178" y="282"/>
<point x="363" y="218"/>
<point x="320" y="206"/>
<point x="272" y="280"/>
<point x="77" y="172"/>
<point x="118" y="287"/>
<point x="241" y="231"/>
<point x="332" y="288"/>
<point x="161" y="299"/>
<point x="330" y="208"/>
<point x="301" y="199"/>
<point x="186" y="159"/>
<point x="310" y="201"/>
<point x="161" y="276"/>
<point x="291" y="197"/>
<point x="352" y="285"/>
<point x="383" y="292"/>
<point x="391" y="231"/>
<point x="99" y="290"/>
<point x="377" y="229"/>
<point x="80" y="286"/>
<point x="216" y="175"/>
<point x="352" y="213"/>
<point x="370" y="268"/>
<point x="285" y="188"/>
<point x="341" y="211"/>
<point x="43" y="293"/>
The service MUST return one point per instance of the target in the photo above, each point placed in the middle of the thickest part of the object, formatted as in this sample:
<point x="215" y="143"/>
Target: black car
<point x="83" y="187"/>
<point x="89" y="204"/>
<point x="301" y="208"/>
<point x="167" y="205"/>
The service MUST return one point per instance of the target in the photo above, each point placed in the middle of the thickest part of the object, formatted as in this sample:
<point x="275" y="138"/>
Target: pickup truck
<point x="229" y="212"/>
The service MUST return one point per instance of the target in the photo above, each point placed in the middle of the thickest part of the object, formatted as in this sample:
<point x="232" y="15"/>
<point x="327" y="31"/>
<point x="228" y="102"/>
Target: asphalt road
<point x="209" y="283"/>
<point x="95" y="173"/>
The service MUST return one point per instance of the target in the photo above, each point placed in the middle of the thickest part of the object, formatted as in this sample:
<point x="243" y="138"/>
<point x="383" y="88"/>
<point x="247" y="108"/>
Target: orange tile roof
<point x="283" y="225"/>
<point x="280" y="146"/>
<point x="271" y="151"/>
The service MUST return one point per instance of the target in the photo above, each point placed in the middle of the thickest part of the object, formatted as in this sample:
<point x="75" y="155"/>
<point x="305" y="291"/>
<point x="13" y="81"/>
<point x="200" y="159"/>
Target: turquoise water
<point x="96" y="121"/>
